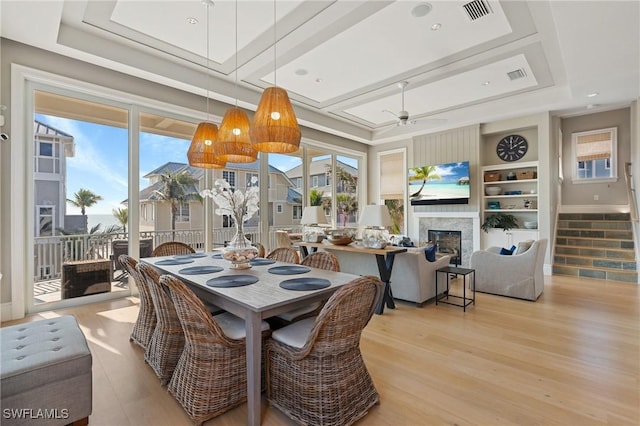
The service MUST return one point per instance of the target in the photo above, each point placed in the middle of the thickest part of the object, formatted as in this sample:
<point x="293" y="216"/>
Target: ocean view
<point x="105" y="220"/>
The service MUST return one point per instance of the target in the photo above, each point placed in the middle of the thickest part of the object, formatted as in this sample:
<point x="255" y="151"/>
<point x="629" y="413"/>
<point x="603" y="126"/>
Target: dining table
<point x="275" y="288"/>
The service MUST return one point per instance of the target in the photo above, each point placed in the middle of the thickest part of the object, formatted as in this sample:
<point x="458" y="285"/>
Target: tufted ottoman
<point x="45" y="368"/>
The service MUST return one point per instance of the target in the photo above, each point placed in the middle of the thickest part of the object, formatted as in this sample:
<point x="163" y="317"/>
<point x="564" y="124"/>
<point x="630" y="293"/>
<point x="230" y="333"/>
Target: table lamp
<point x="312" y="217"/>
<point x="375" y="219"/>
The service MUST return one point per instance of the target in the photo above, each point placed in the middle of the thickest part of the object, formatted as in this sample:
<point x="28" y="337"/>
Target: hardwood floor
<point x="571" y="358"/>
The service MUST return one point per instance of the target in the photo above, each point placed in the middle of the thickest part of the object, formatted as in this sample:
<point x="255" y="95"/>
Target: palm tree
<point x="396" y="211"/>
<point x="122" y="216"/>
<point x="347" y="204"/>
<point x="84" y="198"/>
<point x="175" y="190"/>
<point x="315" y="197"/>
<point x="425" y="173"/>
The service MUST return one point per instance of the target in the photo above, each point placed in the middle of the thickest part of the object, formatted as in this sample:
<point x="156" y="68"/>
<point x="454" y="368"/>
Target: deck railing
<point x="51" y="252"/>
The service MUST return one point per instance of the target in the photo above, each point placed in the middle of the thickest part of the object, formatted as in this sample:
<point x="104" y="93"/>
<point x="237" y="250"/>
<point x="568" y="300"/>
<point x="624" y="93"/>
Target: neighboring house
<point x="50" y="151"/>
<point x="155" y="214"/>
<point x="320" y="180"/>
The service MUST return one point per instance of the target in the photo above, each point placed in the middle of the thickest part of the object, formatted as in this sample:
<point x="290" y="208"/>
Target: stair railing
<point x="633" y="210"/>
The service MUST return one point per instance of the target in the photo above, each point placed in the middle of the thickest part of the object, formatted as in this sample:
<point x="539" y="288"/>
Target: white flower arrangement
<point x="240" y="205"/>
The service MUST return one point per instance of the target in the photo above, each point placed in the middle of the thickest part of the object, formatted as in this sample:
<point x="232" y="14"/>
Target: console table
<point x="384" y="260"/>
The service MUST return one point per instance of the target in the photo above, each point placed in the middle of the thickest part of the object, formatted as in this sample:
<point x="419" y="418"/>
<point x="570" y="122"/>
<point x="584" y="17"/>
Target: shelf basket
<point x="491" y="177"/>
<point x="526" y="175"/>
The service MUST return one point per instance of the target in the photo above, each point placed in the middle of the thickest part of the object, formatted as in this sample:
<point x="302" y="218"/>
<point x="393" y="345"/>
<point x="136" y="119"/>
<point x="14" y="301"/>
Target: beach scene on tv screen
<point x="441" y="182"/>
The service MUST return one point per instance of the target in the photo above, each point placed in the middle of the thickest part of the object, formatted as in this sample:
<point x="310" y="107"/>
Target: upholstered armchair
<point x="517" y="275"/>
<point x="413" y="277"/>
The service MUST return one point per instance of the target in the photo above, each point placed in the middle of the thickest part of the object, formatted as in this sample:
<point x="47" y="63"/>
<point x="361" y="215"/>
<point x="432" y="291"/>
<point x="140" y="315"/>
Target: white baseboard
<point x="595" y="208"/>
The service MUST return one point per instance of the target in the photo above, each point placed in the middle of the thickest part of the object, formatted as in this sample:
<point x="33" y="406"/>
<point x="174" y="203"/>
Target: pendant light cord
<point x="275" y="43"/>
<point x="236" y="53"/>
<point x="208" y="65"/>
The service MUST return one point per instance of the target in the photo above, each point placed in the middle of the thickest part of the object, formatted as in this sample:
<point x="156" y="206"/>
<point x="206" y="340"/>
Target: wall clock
<point x="512" y="148"/>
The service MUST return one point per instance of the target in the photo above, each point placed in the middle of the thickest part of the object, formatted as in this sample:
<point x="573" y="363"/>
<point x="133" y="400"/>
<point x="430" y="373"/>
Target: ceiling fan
<point x="403" y="116"/>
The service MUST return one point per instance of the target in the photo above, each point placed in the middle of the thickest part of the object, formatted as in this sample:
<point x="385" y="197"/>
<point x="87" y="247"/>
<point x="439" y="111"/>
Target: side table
<point x="465" y="301"/>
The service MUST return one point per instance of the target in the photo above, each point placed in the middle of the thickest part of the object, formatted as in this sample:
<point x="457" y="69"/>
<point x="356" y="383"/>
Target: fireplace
<point x="448" y="242"/>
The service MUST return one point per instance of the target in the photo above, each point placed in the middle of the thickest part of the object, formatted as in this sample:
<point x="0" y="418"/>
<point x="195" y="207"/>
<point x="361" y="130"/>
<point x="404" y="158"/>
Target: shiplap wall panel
<point x="455" y="145"/>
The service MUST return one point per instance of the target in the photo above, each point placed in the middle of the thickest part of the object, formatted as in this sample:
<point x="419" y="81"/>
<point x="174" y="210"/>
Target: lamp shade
<point x="313" y="215"/>
<point x="201" y="152"/>
<point x="233" y="144"/>
<point x="275" y="126"/>
<point x="375" y="215"/>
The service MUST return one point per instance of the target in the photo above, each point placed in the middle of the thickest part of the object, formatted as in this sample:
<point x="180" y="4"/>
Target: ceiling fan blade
<point x="391" y="112"/>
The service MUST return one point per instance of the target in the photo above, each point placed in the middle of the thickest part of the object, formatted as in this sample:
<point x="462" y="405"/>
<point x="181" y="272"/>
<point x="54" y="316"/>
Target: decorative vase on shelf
<point x="239" y="251"/>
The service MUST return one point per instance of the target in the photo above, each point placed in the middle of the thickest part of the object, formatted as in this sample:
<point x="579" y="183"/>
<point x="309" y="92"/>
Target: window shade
<point x="392" y="176"/>
<point x="595" y="146"/>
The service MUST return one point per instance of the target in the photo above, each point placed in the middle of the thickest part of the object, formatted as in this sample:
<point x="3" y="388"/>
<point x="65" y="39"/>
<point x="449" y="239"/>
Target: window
<point x="46" y="149"/>
<point x="227" y="221"/>
<point x="279" y="208"/>
<point x="230" y="177"/>
<point x="297" y="212"/>
<point x="45" y="221"/>
<point x="182" y="215"/>
<point x="594" y="155"/>
<point x="392" y="186"/>
<point x="314" y="181"/>
<point x="252" y="179"/>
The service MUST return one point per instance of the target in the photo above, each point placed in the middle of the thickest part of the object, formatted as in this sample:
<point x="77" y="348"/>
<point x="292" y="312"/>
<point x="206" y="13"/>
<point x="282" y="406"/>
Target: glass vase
<point x="239" y="251"/>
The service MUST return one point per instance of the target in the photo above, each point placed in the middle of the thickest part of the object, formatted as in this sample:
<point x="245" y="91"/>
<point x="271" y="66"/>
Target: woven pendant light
<point x="275" y="126"/>
<point x="201" y="152"/>
<point x="233" y="143"/>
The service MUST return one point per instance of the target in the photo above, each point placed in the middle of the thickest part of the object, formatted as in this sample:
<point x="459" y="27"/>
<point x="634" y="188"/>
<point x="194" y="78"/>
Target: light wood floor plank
<point x="571" y="358"/>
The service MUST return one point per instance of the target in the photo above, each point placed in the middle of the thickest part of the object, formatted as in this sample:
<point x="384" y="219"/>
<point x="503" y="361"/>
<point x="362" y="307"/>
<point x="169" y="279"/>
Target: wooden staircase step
<point x="595" y="262"/>
<point x="597" y="252"/>
<point x="599" y="273"/>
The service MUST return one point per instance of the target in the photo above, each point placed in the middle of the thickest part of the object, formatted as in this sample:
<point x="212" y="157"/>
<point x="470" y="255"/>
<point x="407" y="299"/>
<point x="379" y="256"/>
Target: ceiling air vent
<point x="514" y="75"/>
<point x="476" y="9"/>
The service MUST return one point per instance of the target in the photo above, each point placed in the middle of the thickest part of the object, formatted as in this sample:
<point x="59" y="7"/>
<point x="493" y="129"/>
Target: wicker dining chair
<point x="261" y="250"/>
<point x="321" y="260"/>
<point x="167" y="341"/>
<point x="322" y="380"/>
<point x="284" y="254"/>
<point x="146" y="322"/>
<point x="211" y="375"/>
<point x="172" y="248"/>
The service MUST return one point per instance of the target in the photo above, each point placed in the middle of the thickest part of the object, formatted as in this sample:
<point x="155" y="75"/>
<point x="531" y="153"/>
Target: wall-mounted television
<point x="446" y="183"/>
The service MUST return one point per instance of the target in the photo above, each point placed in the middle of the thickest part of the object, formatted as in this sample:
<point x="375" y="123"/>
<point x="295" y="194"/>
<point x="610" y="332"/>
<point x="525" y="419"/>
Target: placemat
<point x="195" y="270"/>
<point x="232" y="281"/>
<point x="173" y="262"/>
<point x="303" y="284"/>
<point x="289" y="270"/>
<point x="190" y="256"/>
<point x="217" y="255"/>
<point x="261" y="261"/>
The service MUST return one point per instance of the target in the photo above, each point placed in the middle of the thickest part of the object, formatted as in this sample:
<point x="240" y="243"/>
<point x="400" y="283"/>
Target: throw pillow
<point x="524" y="246"/>
<point x="508" y="252"/>
<point x="430" y="252"/>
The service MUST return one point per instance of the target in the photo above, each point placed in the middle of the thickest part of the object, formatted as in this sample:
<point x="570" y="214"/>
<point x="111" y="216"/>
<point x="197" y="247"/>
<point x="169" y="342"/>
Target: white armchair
<point x="414" y="278"/>
<point x="520" y="275"/>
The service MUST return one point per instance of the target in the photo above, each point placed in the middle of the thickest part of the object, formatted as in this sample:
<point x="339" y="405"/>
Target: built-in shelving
<point x="518" y="196"/>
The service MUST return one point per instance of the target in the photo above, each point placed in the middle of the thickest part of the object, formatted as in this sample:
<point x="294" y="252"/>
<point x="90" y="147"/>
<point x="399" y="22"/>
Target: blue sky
<point x="100" y="163"/>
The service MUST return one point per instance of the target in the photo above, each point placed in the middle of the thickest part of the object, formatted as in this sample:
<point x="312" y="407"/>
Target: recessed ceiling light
<point x="192" y="20"/>
<point x="436" y="26"/>
<point x="592" y="94"/>
<point x="421" y="10"/>
<point x="301" y="71"/>
<point x="486" y="83"/>
<point x="318" y="80"/>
